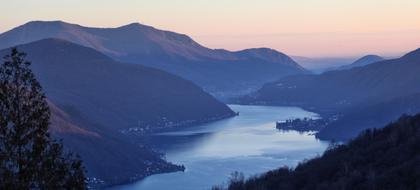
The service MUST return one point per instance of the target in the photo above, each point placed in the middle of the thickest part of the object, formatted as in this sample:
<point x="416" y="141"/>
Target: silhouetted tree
<point x="29" y="157"/>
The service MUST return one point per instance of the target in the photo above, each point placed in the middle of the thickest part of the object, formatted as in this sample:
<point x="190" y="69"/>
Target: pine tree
<point x="29" y="157"/>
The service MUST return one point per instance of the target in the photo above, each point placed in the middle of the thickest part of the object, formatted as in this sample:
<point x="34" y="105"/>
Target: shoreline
<point x="175" y="167"/>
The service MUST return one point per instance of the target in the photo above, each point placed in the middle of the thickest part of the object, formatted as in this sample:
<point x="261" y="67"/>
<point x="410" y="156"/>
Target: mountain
<point x="322" y="64"/>
<point x="362" y="97"/>
<point x="363" y="61"/>
<point x="337" y="90"/>
<point x="99" y="104"/>
<point x="386" y="158"/>
<point x="132" y="42"/>
<point x="103" y="152"/>
<point x="80" y="79"/>
<point x="176" y="53"/>
<point x="370" y="115"/>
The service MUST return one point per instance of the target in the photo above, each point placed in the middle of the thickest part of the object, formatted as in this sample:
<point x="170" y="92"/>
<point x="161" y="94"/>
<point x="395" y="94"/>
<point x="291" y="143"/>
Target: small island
<point x="305" y="124"/>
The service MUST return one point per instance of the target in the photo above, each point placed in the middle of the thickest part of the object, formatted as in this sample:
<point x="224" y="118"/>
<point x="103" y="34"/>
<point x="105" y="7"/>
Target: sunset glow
<point x="312" y="28"/>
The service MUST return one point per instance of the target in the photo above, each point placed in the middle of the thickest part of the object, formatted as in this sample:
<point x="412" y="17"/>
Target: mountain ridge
<point x="367" y="97"/>
<point x="179" y="54"/>
<point x="363" y="61"/>
<point x="345" y="87"/>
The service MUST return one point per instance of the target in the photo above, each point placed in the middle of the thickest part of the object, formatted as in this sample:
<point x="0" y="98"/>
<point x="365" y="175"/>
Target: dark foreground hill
<point x="382" y="159"/>
<point x="97" y="103"/>
<point x="221" y="72"/>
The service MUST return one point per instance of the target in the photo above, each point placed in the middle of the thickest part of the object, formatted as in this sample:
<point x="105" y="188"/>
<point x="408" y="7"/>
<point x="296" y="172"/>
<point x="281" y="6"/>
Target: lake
<point x="248" y="143"/>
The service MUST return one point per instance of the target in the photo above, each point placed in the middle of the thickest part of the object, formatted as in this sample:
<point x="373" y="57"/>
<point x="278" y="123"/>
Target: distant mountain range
<point x="321" y="64"/>
<point x="97" y="103"/>
<point x="325" y="64"/>
<point x="220" y="72"/>
<point x="363" y="61"/>
<point x="368" y="96"/>
<point x="339" y="89"/>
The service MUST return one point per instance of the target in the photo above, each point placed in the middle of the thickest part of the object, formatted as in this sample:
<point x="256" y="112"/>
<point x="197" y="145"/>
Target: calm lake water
<point x="248" y="143"/>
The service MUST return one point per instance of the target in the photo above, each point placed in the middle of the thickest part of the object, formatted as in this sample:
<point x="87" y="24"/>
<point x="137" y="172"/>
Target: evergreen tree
<point x="29" y="157"/>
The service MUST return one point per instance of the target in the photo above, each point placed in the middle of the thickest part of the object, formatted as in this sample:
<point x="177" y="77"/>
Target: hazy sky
<point x="297" y="27"/>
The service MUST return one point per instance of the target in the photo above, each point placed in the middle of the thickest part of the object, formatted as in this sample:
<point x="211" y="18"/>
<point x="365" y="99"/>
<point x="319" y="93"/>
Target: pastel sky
<point x="313" y="28"/>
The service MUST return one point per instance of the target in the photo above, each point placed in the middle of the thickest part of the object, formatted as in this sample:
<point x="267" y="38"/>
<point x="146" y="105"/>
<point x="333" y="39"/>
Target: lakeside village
<point x="164" y="124"/>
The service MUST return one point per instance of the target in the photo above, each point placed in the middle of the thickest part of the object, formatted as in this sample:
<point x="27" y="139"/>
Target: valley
<point x="146" y="108"/>
<point x="249" y="143"/>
